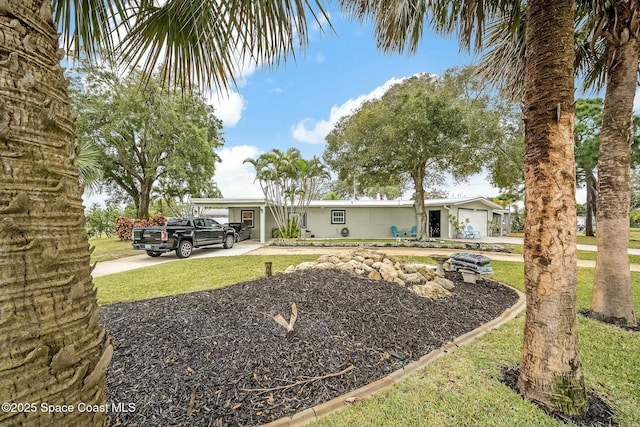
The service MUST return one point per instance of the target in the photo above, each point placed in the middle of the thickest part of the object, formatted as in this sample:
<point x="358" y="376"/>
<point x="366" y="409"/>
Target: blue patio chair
<point x="414" y="231"/>
<point x="395" y="232"/>
<point x="470" y="234"/>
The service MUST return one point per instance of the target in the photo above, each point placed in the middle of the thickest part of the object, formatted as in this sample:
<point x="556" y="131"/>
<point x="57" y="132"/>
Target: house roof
<point x="347" y="203"/>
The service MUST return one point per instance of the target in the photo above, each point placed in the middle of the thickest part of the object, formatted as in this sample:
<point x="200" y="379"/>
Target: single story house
<point x="366" y="219"/>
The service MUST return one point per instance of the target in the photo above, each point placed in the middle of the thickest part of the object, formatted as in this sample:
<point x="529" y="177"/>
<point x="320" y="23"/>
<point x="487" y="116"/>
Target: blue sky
<point x="295" y="105"/>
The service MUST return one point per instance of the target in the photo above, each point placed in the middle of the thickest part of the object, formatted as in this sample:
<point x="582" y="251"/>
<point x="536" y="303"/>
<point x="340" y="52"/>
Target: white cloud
<point x="235" y="179"/>
<point x="228" y="107"/>
<point x="636" y="102"/>
<point x="314" y="131"/>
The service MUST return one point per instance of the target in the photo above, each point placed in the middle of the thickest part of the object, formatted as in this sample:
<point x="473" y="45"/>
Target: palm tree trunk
<point x="53" y="349"/>
<point x="550" y="369"/>
<point x="612" y="295"/>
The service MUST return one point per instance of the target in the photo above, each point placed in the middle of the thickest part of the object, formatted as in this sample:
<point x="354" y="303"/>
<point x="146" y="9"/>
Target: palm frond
<point x="399" y="23"/>
<point x="88" y="27"/>
<point x="503" y="64"/>
<point x="88" y="163"/>
<point x="204" y="41"/>
<point x="591" y="60"/>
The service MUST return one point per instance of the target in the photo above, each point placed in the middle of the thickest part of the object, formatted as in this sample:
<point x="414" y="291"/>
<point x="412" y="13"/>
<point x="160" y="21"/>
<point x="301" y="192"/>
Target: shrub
<point x="125" y="226"/>
<point x="290" y="231"/>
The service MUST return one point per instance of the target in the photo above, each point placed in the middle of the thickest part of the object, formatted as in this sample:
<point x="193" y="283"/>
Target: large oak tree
<point x="147" y="135"/>
<point x="418" y="131"/>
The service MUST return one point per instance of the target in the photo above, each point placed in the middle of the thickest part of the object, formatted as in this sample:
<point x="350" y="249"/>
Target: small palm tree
<point x="288" y="182"/>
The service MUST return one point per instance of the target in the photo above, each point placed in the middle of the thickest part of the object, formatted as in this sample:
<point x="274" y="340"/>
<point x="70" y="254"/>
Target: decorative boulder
<point x="376" y="265"/>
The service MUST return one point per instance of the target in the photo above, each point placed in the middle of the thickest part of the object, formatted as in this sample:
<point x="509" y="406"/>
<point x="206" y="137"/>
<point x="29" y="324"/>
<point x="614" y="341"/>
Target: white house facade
<point x="366" y="219"/>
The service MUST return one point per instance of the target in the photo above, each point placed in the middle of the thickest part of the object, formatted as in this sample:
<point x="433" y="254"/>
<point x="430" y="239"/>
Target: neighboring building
<point x="364" y="218"/>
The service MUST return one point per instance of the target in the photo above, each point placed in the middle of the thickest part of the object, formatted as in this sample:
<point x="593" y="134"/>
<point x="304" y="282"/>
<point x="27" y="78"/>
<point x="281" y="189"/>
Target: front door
<point x="434" y="223"/>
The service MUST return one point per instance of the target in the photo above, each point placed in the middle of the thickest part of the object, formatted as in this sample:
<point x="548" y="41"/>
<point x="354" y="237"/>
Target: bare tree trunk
<point x="421" y="215"/>
<point x="53" y="349"/>
<point x="550" y="369"/>
<point x="612" y="295"/>
<point x="145" y="198"/>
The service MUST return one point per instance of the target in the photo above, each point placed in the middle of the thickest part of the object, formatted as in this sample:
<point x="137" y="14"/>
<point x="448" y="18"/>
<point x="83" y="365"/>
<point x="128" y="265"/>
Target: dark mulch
<point x="598" y="414"/>
<point x="217" y="357"/>
<point x="587" y="313"/>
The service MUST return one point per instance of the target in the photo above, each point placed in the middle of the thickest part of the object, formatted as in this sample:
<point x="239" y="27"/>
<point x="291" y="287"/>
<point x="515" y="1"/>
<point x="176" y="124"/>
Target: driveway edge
<point x="342" y="402"/>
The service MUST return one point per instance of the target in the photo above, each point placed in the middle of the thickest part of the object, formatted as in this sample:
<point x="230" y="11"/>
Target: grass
<point x="584" y="255"/>
<point x="634" y="238"/>
<point x="189" y="275"/>
<point x="110" y="248"/>
<point x="462" y="389"/>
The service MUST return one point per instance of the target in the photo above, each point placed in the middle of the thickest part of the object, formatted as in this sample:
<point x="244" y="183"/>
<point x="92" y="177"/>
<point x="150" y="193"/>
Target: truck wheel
<point x="184" y="249"/>
<point x="154" y="254"/>
<point x="229" y="241"/>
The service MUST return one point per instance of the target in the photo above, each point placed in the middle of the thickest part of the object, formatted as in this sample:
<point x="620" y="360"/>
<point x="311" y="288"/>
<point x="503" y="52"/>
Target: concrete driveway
<point x="143" y="260"/>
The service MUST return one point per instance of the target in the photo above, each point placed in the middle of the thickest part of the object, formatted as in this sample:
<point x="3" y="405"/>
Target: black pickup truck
<point x="182" y="235"/>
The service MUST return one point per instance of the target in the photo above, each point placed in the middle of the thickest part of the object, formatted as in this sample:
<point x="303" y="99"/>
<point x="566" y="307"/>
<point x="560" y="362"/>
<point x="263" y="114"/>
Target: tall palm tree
<point x="550" y="368"/>
<point x="608" y="55"/>
<point x="53" y="348"/>
<point x="618" y="24"/>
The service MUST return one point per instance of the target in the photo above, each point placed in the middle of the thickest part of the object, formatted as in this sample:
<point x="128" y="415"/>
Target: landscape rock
<point x="431" y="290"/>
<point x="445" y="283"/>
<point x="376" y="265"/>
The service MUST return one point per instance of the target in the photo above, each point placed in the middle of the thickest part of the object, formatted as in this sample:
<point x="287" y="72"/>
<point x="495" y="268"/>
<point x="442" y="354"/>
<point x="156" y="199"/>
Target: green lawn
<point x="633" y="242"/>
<point x="634" y="238"/>
<point x="109" y="248"/>
<point x="461" y="389"/>
<point x="585" y="255"/>
<point x="189" y="275"/>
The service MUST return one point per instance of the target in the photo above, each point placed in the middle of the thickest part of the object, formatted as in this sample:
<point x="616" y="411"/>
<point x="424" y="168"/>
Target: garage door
<point x="477" y="219"/>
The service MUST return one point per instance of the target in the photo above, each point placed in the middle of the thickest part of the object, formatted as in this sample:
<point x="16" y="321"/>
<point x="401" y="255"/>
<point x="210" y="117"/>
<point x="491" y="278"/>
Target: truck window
<point x="180" y="222"/>
<point x="211" y="222"/>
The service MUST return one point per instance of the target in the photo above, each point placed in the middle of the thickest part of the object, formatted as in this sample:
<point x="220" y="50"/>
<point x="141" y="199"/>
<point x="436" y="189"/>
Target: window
<point x="246" y="217"/>
<point x="210" y="223"/>
<point x="338" y="217"/>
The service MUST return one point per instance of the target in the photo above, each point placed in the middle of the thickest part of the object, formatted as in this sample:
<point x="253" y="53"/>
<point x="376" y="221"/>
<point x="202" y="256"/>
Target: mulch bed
<point x="217" y="358"/>
<point x="589" y="314"/>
